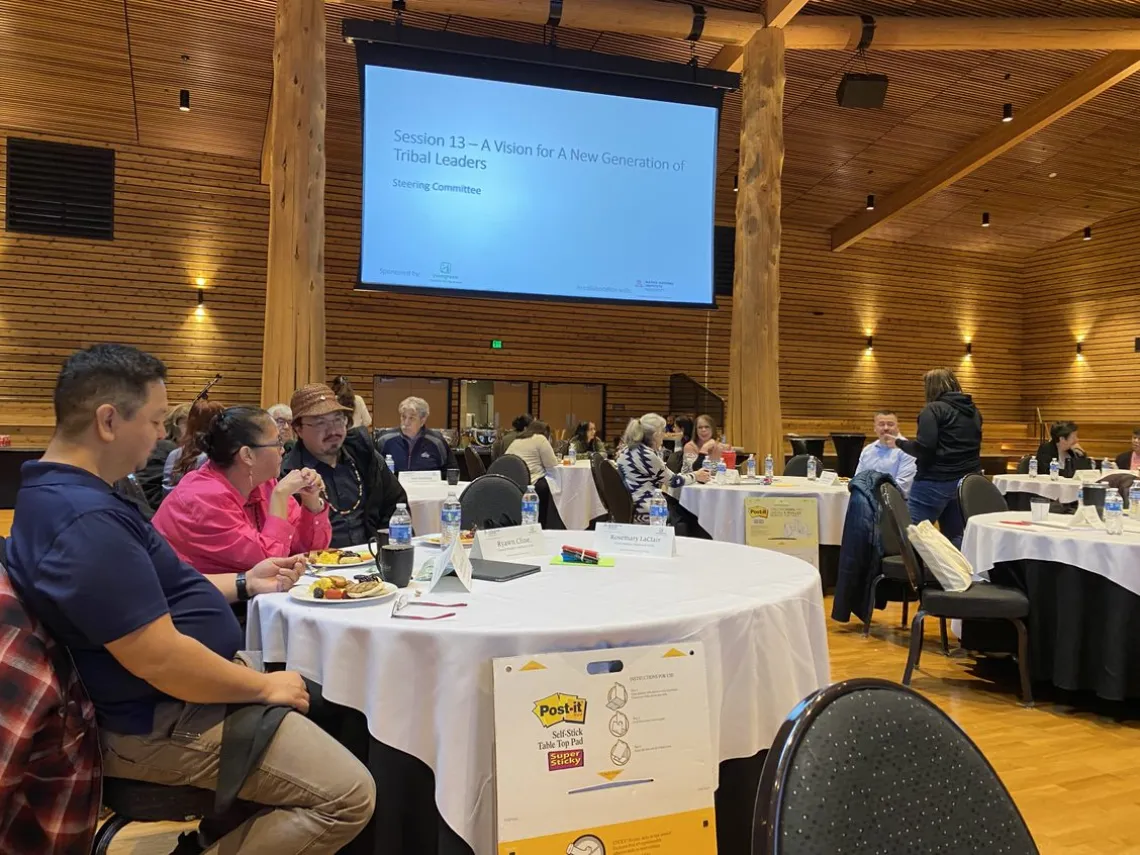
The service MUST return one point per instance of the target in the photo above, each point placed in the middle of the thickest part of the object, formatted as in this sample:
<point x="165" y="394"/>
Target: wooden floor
<point x="1074" y="774"/>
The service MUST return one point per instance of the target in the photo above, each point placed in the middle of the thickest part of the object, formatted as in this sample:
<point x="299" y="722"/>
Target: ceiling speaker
<point x="862" y="90"/>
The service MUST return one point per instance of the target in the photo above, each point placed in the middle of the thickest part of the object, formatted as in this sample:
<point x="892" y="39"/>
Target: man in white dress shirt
<point x="883" y="455"/>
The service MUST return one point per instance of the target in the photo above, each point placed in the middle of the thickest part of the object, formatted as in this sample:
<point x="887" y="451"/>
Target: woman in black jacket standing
<point x="946" y="448"/>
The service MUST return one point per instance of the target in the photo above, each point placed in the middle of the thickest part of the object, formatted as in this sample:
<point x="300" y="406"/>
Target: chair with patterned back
<point x="513" y="467"/>
<point x="867" y="765"/>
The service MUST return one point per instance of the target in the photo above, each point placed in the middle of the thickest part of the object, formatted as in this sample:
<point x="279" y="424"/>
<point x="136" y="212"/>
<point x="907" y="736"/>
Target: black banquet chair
<point x="1023" y="465"/>
<point x="490" y="501"/>
<point x="798" y="466"/>
<point x="977" y="495"/>
<point x="869" y="766"/>
<point x="981" y="601"/>
<point x="474" y="461"/>
<point x="511" y="466"/>
<point x="612" y="490"/>
<point x="891" y="568"/>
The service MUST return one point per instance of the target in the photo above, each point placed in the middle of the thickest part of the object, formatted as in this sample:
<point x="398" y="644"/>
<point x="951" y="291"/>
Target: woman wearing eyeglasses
<point x="234" y="512"/>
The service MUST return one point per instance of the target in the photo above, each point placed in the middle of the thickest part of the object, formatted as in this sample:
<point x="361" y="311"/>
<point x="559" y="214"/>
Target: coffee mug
<point x="377" y="543"/>
<point x="396" y="564"/>
<point x="452" y="477"/>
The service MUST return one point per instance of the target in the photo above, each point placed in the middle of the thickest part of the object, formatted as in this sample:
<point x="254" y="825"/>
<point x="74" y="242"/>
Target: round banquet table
<point x="720" y="507"/>
<point x="425" y="688"/>
<point x="1084" y="592"/>
<point x="1063" y="490"/>
<point x="425" y="501"/>
<point x="575" y="495"/>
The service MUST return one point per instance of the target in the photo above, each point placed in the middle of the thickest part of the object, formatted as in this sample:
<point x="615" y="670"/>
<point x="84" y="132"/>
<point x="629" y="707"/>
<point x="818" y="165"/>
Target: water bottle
<point x="449" y="517"/>
<point x="573" y="455"/>
<point x="1033" y="466"/>
<point x="751" y="465"/>
<point x="721" y="471"/>
<point x="1113" y="512"/>
<point x="659" y="510"/>
<point x="812" y="475"/>
<point x="530" y="506"/>
<point x="400" y="527"/>
<point x="391" y="463"/>
<point x="1107" y="465"/>
<point x="1054" y="470"/>
<point x="709" y="466"/>
<point x="1134" y="500"/>
<point x="769" y="466"/>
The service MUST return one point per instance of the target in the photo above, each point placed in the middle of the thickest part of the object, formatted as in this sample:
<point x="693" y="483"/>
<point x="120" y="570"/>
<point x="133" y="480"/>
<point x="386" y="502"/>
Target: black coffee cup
<point x="396" y="564"/>
<point x="1093" y="494"/>
<point x="377" y="543"/>
<point x="452" y="477"/>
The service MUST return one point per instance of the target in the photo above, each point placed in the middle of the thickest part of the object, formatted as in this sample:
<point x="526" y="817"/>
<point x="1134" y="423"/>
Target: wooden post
<point x="293" y="351"/>
<point x="754" y="420"/>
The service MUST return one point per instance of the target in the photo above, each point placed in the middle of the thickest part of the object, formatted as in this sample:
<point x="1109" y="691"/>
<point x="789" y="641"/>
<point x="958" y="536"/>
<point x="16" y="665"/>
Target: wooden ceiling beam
<point x="807" y="32"/>
<point x="778" y="13"/>
<point x="1081" y="88"/>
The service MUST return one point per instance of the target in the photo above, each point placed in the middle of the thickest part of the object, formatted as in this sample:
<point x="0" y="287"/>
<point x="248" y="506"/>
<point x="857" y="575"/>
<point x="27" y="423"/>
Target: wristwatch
<point x="242" y="589"/>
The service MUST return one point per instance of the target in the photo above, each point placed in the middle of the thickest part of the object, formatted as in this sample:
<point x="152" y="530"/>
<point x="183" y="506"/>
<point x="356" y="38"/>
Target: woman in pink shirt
<point x="233" y="512"/>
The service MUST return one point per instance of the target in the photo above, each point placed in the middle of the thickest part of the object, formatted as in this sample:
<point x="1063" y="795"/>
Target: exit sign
<point x="496" y="344"/>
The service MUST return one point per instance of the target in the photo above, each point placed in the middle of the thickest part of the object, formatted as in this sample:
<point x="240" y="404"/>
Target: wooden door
<point x="512" y="399"/>
<point x="388" y="392"/>
<point x="589" y="406"/>
<point x="556" y="407"/>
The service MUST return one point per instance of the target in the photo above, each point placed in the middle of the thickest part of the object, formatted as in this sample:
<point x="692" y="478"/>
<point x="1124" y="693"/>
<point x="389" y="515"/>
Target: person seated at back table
<point x="704" y="443"/>
<point x="154" y="640"/>
<point x="362" y="494"/>
<point x="188" y="456"/>
<point x="644" y="472"/>
<point x="1130" y="460"/>
<point x="884" y="455"/>
<point x="234" y="511"/>
<point x="358" y="410"/>
<point x="533" y="446"/>
<point x="415" y="447"/>
<point x="1064" y="446"/>
<point x="586" y="439"/>
<point x="283" y="417"/>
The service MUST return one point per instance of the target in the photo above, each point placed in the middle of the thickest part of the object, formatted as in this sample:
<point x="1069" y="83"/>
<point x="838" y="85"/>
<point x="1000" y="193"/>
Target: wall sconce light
<point x="870" y="201"/>
<point x="184" y="100"/>
<point x="870" y="342"/>
<point x="969" y="348"/>
<point x="1007" y="113"/>
<point x="985" y="219"/>
<point x="735" y="184"/>
<point x="1079" y="349"/>
<point x="201" y="295"/>
<point x="1088" y="233"/>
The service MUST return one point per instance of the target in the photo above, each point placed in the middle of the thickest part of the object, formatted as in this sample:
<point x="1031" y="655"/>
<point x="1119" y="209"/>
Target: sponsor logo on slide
<point x="445" y="267"/>
<point x="446" y="276"/>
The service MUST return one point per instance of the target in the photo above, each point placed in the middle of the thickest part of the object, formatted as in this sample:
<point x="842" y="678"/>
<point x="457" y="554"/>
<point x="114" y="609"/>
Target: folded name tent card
<point x="828" y="477"/>
<point x="432" y="476"/>
<point x="604" y="752"/>
<point x="645" y="540"/>
<point x="452" y="569"/>
<point x="503" y="544"/>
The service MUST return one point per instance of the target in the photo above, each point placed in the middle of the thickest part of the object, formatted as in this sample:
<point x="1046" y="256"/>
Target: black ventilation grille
<point x="60" y="189"/>
<point x="724" y="261"/>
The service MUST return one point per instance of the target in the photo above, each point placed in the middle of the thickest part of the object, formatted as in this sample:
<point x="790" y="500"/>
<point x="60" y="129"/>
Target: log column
<point x="293" y="352"/>
<point x="754" y="420"/>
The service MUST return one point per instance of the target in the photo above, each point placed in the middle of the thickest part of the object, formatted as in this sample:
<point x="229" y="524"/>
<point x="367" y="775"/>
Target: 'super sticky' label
<point x="574" y="759"/>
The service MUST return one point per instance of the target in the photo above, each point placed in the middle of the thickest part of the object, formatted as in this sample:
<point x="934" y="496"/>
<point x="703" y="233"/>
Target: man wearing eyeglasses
<point x="362" y="493"/>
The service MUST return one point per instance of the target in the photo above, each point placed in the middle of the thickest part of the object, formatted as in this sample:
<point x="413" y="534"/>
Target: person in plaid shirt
<point x="49" y="749"/>
<point x="154" y="640"/>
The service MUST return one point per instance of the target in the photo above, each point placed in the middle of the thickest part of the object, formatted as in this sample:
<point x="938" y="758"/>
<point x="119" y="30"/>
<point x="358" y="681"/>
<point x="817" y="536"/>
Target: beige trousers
<point x="318" y="796"/>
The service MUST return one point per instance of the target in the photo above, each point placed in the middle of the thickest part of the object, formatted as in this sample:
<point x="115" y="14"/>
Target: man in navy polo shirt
<point x="154" y="640"/>
<point x="415" y="447"/>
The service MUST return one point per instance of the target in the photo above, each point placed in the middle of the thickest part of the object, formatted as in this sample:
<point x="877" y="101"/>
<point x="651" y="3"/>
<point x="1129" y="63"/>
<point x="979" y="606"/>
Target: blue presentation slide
<point x="479" y="185"/>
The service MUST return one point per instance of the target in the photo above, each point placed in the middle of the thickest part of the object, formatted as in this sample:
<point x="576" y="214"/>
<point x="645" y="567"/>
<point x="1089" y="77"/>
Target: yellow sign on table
<point x="788" y="525"/>
<point x="604" y="752"/>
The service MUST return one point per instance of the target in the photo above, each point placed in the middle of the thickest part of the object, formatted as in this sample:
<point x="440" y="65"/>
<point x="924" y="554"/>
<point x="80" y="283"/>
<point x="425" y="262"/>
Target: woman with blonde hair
<point x="947" y="446"/>
<point x="644" y="472"/>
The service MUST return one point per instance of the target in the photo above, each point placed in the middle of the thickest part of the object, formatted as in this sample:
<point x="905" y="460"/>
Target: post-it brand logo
<point x="559" y="707"/>
<point x="758" y="513"/>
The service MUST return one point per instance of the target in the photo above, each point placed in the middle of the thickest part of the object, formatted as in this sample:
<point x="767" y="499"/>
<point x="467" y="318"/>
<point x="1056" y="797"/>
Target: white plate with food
<point x="339" y="590"/>
<point x="320" y="560"/>
<point x="466" y="538"/>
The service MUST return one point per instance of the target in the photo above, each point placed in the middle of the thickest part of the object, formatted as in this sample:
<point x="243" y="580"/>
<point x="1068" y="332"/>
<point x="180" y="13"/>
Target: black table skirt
<point x="407" y="822"/>
<point x="1084" y="630"/>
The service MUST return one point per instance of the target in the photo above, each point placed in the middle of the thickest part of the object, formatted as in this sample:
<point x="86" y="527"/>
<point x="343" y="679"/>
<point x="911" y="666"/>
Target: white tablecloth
<point x="426" y="687"/>
<point x="989" y="541"/>
<point x="720" y="509"/>
<point x="1063" y="490"/>
<point x="425" y="501"/>
<point x="575" y="495"/>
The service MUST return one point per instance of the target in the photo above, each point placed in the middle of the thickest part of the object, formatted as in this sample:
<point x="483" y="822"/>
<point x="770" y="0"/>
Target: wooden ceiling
<point x="110" y="70"/>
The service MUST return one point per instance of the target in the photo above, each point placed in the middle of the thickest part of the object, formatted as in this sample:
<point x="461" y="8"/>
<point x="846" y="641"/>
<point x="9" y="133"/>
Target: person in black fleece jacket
<point x="946" y="447"/>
